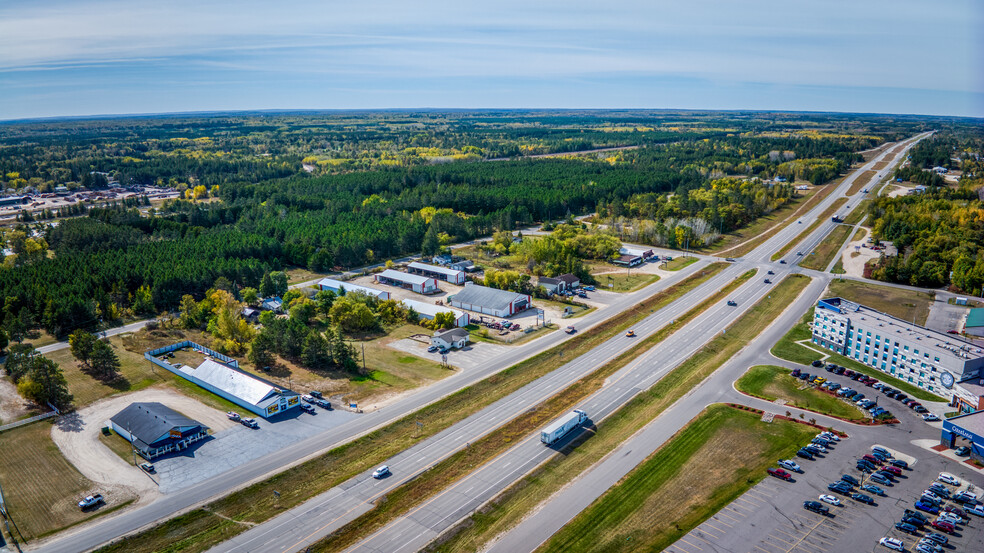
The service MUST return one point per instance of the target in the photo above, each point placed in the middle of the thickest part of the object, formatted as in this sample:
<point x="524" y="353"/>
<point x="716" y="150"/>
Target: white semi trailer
<point x="559" y="428"/>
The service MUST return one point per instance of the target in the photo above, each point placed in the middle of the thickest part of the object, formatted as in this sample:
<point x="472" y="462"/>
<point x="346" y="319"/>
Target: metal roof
<point x="975" y="318"/>
<point x="434" y="269"/>
<point x="149" y="422"/>
<point x="350" y="287"/>
<point x="972" y="422"/>
<point x="484" y="296"/>
<point x="451" y="333"/>
<point x="404" y="277"/>
<point x="430" y="309"/>
<point x="244" y="386"/>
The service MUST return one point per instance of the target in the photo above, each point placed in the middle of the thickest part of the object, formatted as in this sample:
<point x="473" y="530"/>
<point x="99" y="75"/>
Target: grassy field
<point x="484" y="450"/>
<point x="771" y="382"/>
<point x="860" y="182"/>
<point x="513" y="505"/>
<point x="838" y="268"/>
<point x="120" y="446"/>
<point x="787" y="348"/>
<point x="678" y="263"/>
<point x="825" y="251"/>
<point x="714" y="459"/>
<point x="40" y="487"/>
<point x="907" y="305"/>
<point x="296" y="275"/>
<point x="855" y="216"/>
<point x="256" y="503"/>
<point x="623" y="280"/>
<point x="827" y="214"/>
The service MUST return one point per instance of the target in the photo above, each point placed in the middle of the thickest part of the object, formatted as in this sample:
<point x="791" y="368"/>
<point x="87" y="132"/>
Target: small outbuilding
<point x="416" y="283"/>
<point x="450" y="339"/>
<point x="337" y="286"/>
<point x="490" y="301"/>
<point x="155" y="429"/>
<point x="274" y="304"/>
<point x="429" y="310"/>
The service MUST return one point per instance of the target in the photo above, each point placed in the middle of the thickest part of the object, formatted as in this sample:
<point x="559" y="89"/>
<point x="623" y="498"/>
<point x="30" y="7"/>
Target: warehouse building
<point x="490" y="301"/>
<point x="975" y="322"/>
<point x="417" y="283"/>
<point x="931" y="360"/>
<point x="155" y="429"/>
<point x="337" y="286"/>
<point x="452" y="275"/>
<point x="250" y="392"/>
<point x="429" y="310"/>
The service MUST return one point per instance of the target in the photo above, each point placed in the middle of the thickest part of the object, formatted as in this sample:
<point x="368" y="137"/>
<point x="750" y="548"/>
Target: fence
<point x="152" y="354"/>
<point x="53" y="413"/>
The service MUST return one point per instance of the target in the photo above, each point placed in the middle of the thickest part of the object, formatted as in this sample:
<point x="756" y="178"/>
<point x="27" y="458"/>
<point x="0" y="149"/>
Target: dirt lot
<point x="77" y="436"/>
<point x="12" y="406"/>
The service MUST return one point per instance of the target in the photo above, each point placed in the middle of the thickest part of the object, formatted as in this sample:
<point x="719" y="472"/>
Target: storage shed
<point x="417" y="283"/>
<point x="337" y="286"/>
<point x="452" y="275"/>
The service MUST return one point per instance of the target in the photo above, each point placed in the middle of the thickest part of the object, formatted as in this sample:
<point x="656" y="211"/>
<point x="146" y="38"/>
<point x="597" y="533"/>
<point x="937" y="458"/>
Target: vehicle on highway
<point x="816" y="507"/>
<point x="90" y="501"/>
<point x="381" y="472"/>
<point x="863" y="498"/>
<point x="630" y="333"/>
<point x="561" y="427"/>
<point x="782" y="261"/>
<point x="767" y="281"/>
<point x="929" y="508"/>
<point x="906" y="527"/>
<point x="962" y="451"/>
<point x="789" y="464"/>
<point x="892" y="543"/>
<point x="307" y="408"/>
<point x="570" y="329"/>
<point x="873" y="489"/>
<point x="249" y="423"/>
<point x="147" y="467"/>
<point x="799" y="253"/>
<point x="850" y="480"/>
<point x="779" y="473"/>
<point x="830" y="499"/>
<point x="770" y="273"/>
<point x="732" y="303"/>
<point x="233" y="416"/>
<point x="948" y="478"/>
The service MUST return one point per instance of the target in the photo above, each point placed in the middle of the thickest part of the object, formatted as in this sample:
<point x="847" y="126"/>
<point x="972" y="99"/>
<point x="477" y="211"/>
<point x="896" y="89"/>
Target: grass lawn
<point x="904" y="304"/>
<point x="787" y="348"/>
<point x="118" y="445"/>
<point x="40" y="487"/>
<point x="771" y="382"/>
<point x="256" y="503"/>
<point x="714" y="459"/>
<point x="802" y="236"/>
<point x="678" y="263"/>
<point x="838" y="268"/>
<point x="296" y="275"/>
<point x="854" y="217"/>
<point x="514" y="504"/>
<point x="825" y="251"/>
<point x="861" y="182"/>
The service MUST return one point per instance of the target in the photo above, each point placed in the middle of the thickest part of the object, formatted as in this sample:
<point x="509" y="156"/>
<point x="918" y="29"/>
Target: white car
<point x="976" y="509"/>
<point x="931" y="495"/>
<point x="90" y="501"/>
<point x="892" y="543"/>
<point x="818" y="446"/>
<point x="948" y="478"/>
<point x="964" y="495"/>
<point x="950" y="517"/>
<point x="830" y="499"/>
<point x="380" y="472"/>
<point x="929" y="417"/>
<point x="307" y="399"/>
<point x="788" y="464"/>
<point x="830" y="436"/>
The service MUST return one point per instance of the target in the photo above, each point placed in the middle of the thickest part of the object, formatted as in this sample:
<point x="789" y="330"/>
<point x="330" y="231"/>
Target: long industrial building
<point x="490" y="301"/>
<point x="454" y="276"/>
<point x="337" y="286"/>
<point x="417" y="283"/>
<point x="429" y="310"/>
<point x="931" y="360"/>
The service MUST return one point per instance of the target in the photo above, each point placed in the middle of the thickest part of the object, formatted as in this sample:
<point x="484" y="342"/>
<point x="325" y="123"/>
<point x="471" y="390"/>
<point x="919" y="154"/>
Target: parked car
<point x="308" y="398"/>
<point x="830" y="436"/>
<point x="148" y="467"/>
<point x="965" y="496"/>
<point x="931" y="500"/>
<point x="938" y="538"/>
<point x="906" y="527"/>
<point x="804" y="454"/>
<point x="90" y="501"/>
<point x="789" y="464"/>
<point x="865" y="466"/>
<point x="850" y="480"/>
<point x="779" y="473"/>
<point x="871" y="458"/>
<point x="431" y="349"/>
<point x="929" y="508"/>
<point x="962" y="451"/>
<point x="939" y="490"/>
<point x="816" y="507"/>
<point x="894" y="471"/>
<point x="951" y="518"/>
<point x="818" y="363"/>
<point x="249" y="423"/>
<point x="899" y="463"/>
<point x="830" y="499"/>
<point x="814" y="449"/>
<point x="909" y="513"/>
<point x="307" y="408"/>
<point x="233" y="416"/>
<point x="943" y="525"/>
<point x="381" y="472"/>
<point x="840" y="487"/>
<point x="977" y="509"/>
<point x="863" y="498"/>
<point x="880" y="479"/>
<point x="915" y="521"/>
<point x="880" y="452"/>
<point x="948" y="478"/>
<point x="317" y="394"/>
<point x="929" y="417"/>
<point x="873" y="489"/>
<point x="892" y="543"/>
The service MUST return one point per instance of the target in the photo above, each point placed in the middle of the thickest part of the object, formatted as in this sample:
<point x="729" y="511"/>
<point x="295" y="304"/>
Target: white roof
<point x="350" y="287"/>
<point x="430" y="309"/>
<point x="231" y="381"/>
<point x="435" y="269"/>
<point x="404" y="277"/>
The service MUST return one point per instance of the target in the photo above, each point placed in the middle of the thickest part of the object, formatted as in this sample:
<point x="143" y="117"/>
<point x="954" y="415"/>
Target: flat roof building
<point x="971" y="428"/>
<point x="627" y="260"/>
<point x="452" y="275"/>
<point x="975" y="321"/>
<point x="337" y="286"/>
<point x="417" y="283"/>
<point x="490" y="301"/>
<point x="931" y="360"/>
<point x="155" y="429"/>
<point x="429" y="310"/>
<point x="251" y="392"/>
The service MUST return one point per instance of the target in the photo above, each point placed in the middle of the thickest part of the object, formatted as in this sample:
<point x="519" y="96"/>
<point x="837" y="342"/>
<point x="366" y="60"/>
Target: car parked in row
<point x="779" y="473"/>
<point x="789" y="464"/>
<point x="892" y="543"/>
<point x="948" y="478"/>
<point x="816" y="507"/>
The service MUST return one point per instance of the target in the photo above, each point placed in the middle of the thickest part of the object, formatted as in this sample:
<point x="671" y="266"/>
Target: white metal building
<point x="417" y="283"/>
<point x="251" y="392"/>
<point x="337" y="286"/>
<point x="490" y="301"/>
<point x="429" y="310"/>
<point x="452" y="275"/>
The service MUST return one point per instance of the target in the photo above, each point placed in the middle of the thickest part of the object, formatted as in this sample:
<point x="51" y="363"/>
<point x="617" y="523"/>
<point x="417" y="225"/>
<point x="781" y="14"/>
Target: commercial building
<point x="975" y="322"/>
<point x="337" y="286"/>
<point x="155" y="429"/>
<point x="627" y="260"/>
<point x="429" y="310"/>
<point x="417" y="283"/>
<point x="970" y="427"/>
<point x="561" y="283"/>
<point x="448" y="339"/>
<point x="452" y="275"/>
<point x="931" y="360"/>
<point x="490" y="301"/>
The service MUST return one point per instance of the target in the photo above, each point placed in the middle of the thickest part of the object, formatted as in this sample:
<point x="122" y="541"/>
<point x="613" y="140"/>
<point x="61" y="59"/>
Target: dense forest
<point x="126" y="259"/>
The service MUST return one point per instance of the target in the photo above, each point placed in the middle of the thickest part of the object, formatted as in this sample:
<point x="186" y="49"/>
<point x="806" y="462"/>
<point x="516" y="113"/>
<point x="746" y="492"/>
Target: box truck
<point x="562" y="426"/>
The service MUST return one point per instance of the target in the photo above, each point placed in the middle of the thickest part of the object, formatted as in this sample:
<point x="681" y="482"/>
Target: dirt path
<point x="855" y="255"/>
<point x="12" y="406"/>
<point x="77" y="436"/>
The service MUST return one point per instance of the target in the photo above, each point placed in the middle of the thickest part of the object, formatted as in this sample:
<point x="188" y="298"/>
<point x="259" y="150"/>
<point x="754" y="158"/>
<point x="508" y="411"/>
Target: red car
<point x="871" y="458"/>
<point x="779" y="473"/>
<point x="894" y="470"/>
<point x="943" y="525"/>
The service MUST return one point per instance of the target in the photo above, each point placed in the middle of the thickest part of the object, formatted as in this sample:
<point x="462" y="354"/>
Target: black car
<point x="917" y="522"/>
<point x="804" y="454"/>
<point x="899" y="463"/>
<point x="805" y="376"/>
<point x="906" y="527"/>
<point x="816" y="507"/>
<point x="839" y="370"/>
<point x="839" y="487"/>
<point x="863" y="498"/>
<point x="866" y="464"/>
<point x="850" y="480"/>
<point x="818" y="363"/>
<point x="886" y="475"/>
<point x="317" y="394"/>
<point x="909" y="513"/>
<point x="795" y="373"/>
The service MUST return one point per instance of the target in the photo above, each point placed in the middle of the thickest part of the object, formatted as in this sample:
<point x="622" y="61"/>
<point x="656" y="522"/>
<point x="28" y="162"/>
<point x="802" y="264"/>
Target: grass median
<point x="828" y="213"/>
<point x="714" y="459"/>
<point x="770" y="382"/>
<point x="236" y="512"/>
<point x="458" y="465"/>
<point x="513" y="505"/>
<point x="824" y="253"/>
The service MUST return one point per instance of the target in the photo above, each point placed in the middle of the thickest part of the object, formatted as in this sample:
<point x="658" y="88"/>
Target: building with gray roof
<point x="155" y="429"/>
<point x="490" y="301"/>
<point x="251" y="392"/>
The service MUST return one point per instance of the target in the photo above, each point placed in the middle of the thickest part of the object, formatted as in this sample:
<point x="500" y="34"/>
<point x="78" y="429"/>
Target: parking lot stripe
<point x="724" y="522"/>
<point x="708" y="523"/>
<point x="752" y="501"/>
<point x="702" y="530"/>
<point x="691" y="544"/>
<point x="740" y="508"/>
<point x="760" y="549"/>
<point x="723" y="514"/>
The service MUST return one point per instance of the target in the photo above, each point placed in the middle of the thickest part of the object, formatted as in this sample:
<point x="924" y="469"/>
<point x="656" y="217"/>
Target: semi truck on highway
<point x="562" y="426"/>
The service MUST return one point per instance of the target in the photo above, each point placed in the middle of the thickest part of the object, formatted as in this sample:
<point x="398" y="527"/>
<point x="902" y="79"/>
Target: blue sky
<point x="85" y="57"/>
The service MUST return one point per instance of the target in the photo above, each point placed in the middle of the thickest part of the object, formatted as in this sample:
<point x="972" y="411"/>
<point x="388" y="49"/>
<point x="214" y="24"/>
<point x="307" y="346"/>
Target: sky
<point x="94" y="57"/>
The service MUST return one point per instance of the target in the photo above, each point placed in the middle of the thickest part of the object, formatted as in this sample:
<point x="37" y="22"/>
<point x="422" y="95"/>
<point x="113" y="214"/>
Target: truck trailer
<point x="562" y="426"/>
